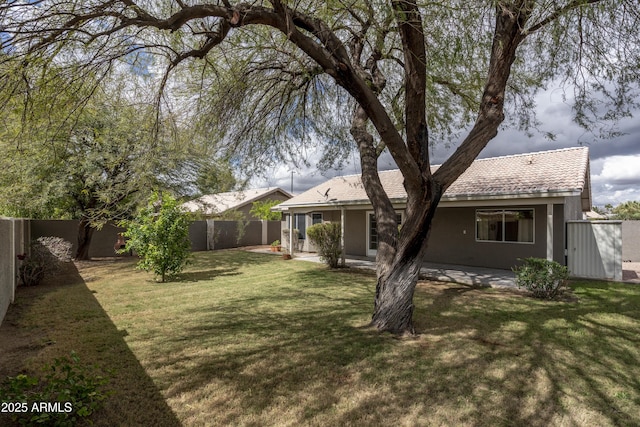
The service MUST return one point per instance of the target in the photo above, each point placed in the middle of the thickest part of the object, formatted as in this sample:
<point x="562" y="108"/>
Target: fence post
<point x="265" y="232"/>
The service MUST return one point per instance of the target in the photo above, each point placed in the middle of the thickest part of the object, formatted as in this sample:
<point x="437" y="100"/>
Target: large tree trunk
<point x="400" y="259"/>
<point x="393" y="307"/>
<point x="85" y="234"/>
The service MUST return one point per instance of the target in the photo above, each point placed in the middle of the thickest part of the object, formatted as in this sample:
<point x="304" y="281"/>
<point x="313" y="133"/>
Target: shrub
<point x="46" y="257"/>
<point x="326" y="238"/>
<point x="73" y="390"/>
<point x="543" y="278"/>
<point x="160" y="236"/>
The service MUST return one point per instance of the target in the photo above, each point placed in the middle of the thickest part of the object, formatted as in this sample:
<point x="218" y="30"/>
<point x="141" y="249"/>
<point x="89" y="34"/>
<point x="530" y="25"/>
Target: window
<point x="300" y="224"/>
<point x="507" y="225"/>
<point x="316" y="218"/>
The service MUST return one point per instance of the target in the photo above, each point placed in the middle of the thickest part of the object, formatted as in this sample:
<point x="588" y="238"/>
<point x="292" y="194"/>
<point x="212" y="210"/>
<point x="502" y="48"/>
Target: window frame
<point x="313" y="220"/>
<point x="503" y="212"/>
<point x="301" y="234"/>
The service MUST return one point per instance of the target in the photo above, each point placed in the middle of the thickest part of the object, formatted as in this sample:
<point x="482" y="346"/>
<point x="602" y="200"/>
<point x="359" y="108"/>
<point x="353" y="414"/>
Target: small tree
<point x="326" y="238"/>
<point x="263" y="210"/>
<point x="160" y="236"/>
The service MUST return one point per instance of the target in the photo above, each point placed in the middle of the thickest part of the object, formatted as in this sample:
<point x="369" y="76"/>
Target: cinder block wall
<point x="103" y="241"/>
<point x="7" y="273"/>
<point x="12" y="242"/>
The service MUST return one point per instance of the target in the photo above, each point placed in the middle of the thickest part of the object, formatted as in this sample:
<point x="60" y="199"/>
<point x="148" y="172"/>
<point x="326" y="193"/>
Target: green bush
<point x="543" y="278"/>
<point x="326" y="238"/>
<point x="67" y="393"/>
<point x="46" y="257"/>
<point x="160" y="236"/>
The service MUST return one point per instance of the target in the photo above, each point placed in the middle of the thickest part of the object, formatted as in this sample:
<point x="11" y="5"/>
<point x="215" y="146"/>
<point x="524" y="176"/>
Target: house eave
<point x="445" y="201"/>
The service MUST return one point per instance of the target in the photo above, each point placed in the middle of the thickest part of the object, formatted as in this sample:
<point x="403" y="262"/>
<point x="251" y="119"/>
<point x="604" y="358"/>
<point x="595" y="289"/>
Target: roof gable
<point x="540" y="174"/>
<point x="214" y="204"/>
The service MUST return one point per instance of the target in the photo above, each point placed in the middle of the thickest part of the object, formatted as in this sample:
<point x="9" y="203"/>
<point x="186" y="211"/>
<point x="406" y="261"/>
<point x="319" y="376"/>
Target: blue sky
<point x="615" y="163"/>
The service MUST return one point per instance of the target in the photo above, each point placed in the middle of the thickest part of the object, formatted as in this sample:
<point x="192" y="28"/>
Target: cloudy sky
<point x="615" y="163"/>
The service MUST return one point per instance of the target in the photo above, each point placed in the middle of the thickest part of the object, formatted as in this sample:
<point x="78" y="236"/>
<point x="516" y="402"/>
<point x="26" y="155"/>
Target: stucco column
<point x="291" y="233"/>
<point x="550" y="231"/>
<point x="342" y="221"/>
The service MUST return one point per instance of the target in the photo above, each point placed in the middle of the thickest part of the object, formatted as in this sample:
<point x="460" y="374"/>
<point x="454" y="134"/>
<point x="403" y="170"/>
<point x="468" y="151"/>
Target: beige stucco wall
<point x="453" y="240"/>
<point x="355" y="241"/>
<point x="631" y="241"/>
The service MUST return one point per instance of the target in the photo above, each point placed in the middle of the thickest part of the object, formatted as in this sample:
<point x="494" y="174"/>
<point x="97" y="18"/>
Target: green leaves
<point x="543" y="278"/>
<point x="262" y="210"/>
<point x="627" y="211"/>
<point x="159" y="234"/>
<point x="326" y="238"/>
<point x="69" y="391"/>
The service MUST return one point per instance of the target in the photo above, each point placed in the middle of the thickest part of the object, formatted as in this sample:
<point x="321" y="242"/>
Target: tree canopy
<point x="629" y="210"/>
<point x="268" y="79"/>
<point x="96" y="164"/>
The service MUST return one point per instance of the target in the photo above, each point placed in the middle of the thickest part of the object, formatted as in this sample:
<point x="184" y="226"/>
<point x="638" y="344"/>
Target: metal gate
<point x="594" y="249"/>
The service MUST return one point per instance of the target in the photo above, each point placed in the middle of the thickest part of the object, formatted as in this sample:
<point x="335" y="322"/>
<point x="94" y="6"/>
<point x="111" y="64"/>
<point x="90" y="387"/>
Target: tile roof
<point x="221" y="202"/>
<point x="540" y="174"/>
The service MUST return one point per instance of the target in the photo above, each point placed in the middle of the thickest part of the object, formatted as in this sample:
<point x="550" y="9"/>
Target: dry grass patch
<point x="250" y="339"/>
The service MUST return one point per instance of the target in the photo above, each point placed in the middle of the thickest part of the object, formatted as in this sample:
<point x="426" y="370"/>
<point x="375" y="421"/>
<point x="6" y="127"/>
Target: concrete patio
<point x="477" y="276"/>
<point x="468" y="275"/>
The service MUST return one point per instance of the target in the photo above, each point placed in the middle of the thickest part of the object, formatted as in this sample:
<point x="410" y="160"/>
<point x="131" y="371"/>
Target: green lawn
<point x="250" y="339"/>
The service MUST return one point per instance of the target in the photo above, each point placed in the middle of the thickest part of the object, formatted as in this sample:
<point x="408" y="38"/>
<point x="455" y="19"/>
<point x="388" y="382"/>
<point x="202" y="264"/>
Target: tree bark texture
<point x="85" y="234"/>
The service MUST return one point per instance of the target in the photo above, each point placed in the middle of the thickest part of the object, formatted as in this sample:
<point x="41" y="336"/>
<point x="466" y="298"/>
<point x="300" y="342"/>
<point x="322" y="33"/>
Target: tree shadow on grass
<point x="546" y="357"/>
<point x="62" y="315"/>
<point x="484" y="357"/>
<point x="196" y="276"/>
<point x="234" y="257"/>
<point x="228" y="262"/>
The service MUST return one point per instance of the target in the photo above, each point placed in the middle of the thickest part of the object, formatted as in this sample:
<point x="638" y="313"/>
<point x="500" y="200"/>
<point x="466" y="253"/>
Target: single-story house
<point x="499" y="210"/>
<point x="221" y="204"/>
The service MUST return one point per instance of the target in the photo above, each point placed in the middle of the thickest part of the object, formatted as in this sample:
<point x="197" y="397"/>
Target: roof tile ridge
<point x="533" y="153"/>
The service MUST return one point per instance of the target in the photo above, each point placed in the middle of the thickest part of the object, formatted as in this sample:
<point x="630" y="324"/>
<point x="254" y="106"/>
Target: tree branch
<point x="413" y="43"/>
<point x="557" y="13"/>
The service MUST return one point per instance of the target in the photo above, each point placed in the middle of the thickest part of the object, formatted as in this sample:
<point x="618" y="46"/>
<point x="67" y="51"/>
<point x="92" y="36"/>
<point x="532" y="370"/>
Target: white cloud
<point x="616" y="197"/>
<point x="621" y="169"/>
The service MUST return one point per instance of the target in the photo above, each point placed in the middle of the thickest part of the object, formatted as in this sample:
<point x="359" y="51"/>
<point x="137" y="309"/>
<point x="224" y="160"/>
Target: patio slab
<point x="476" y="276"/>
<point x="464" y="274"/>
